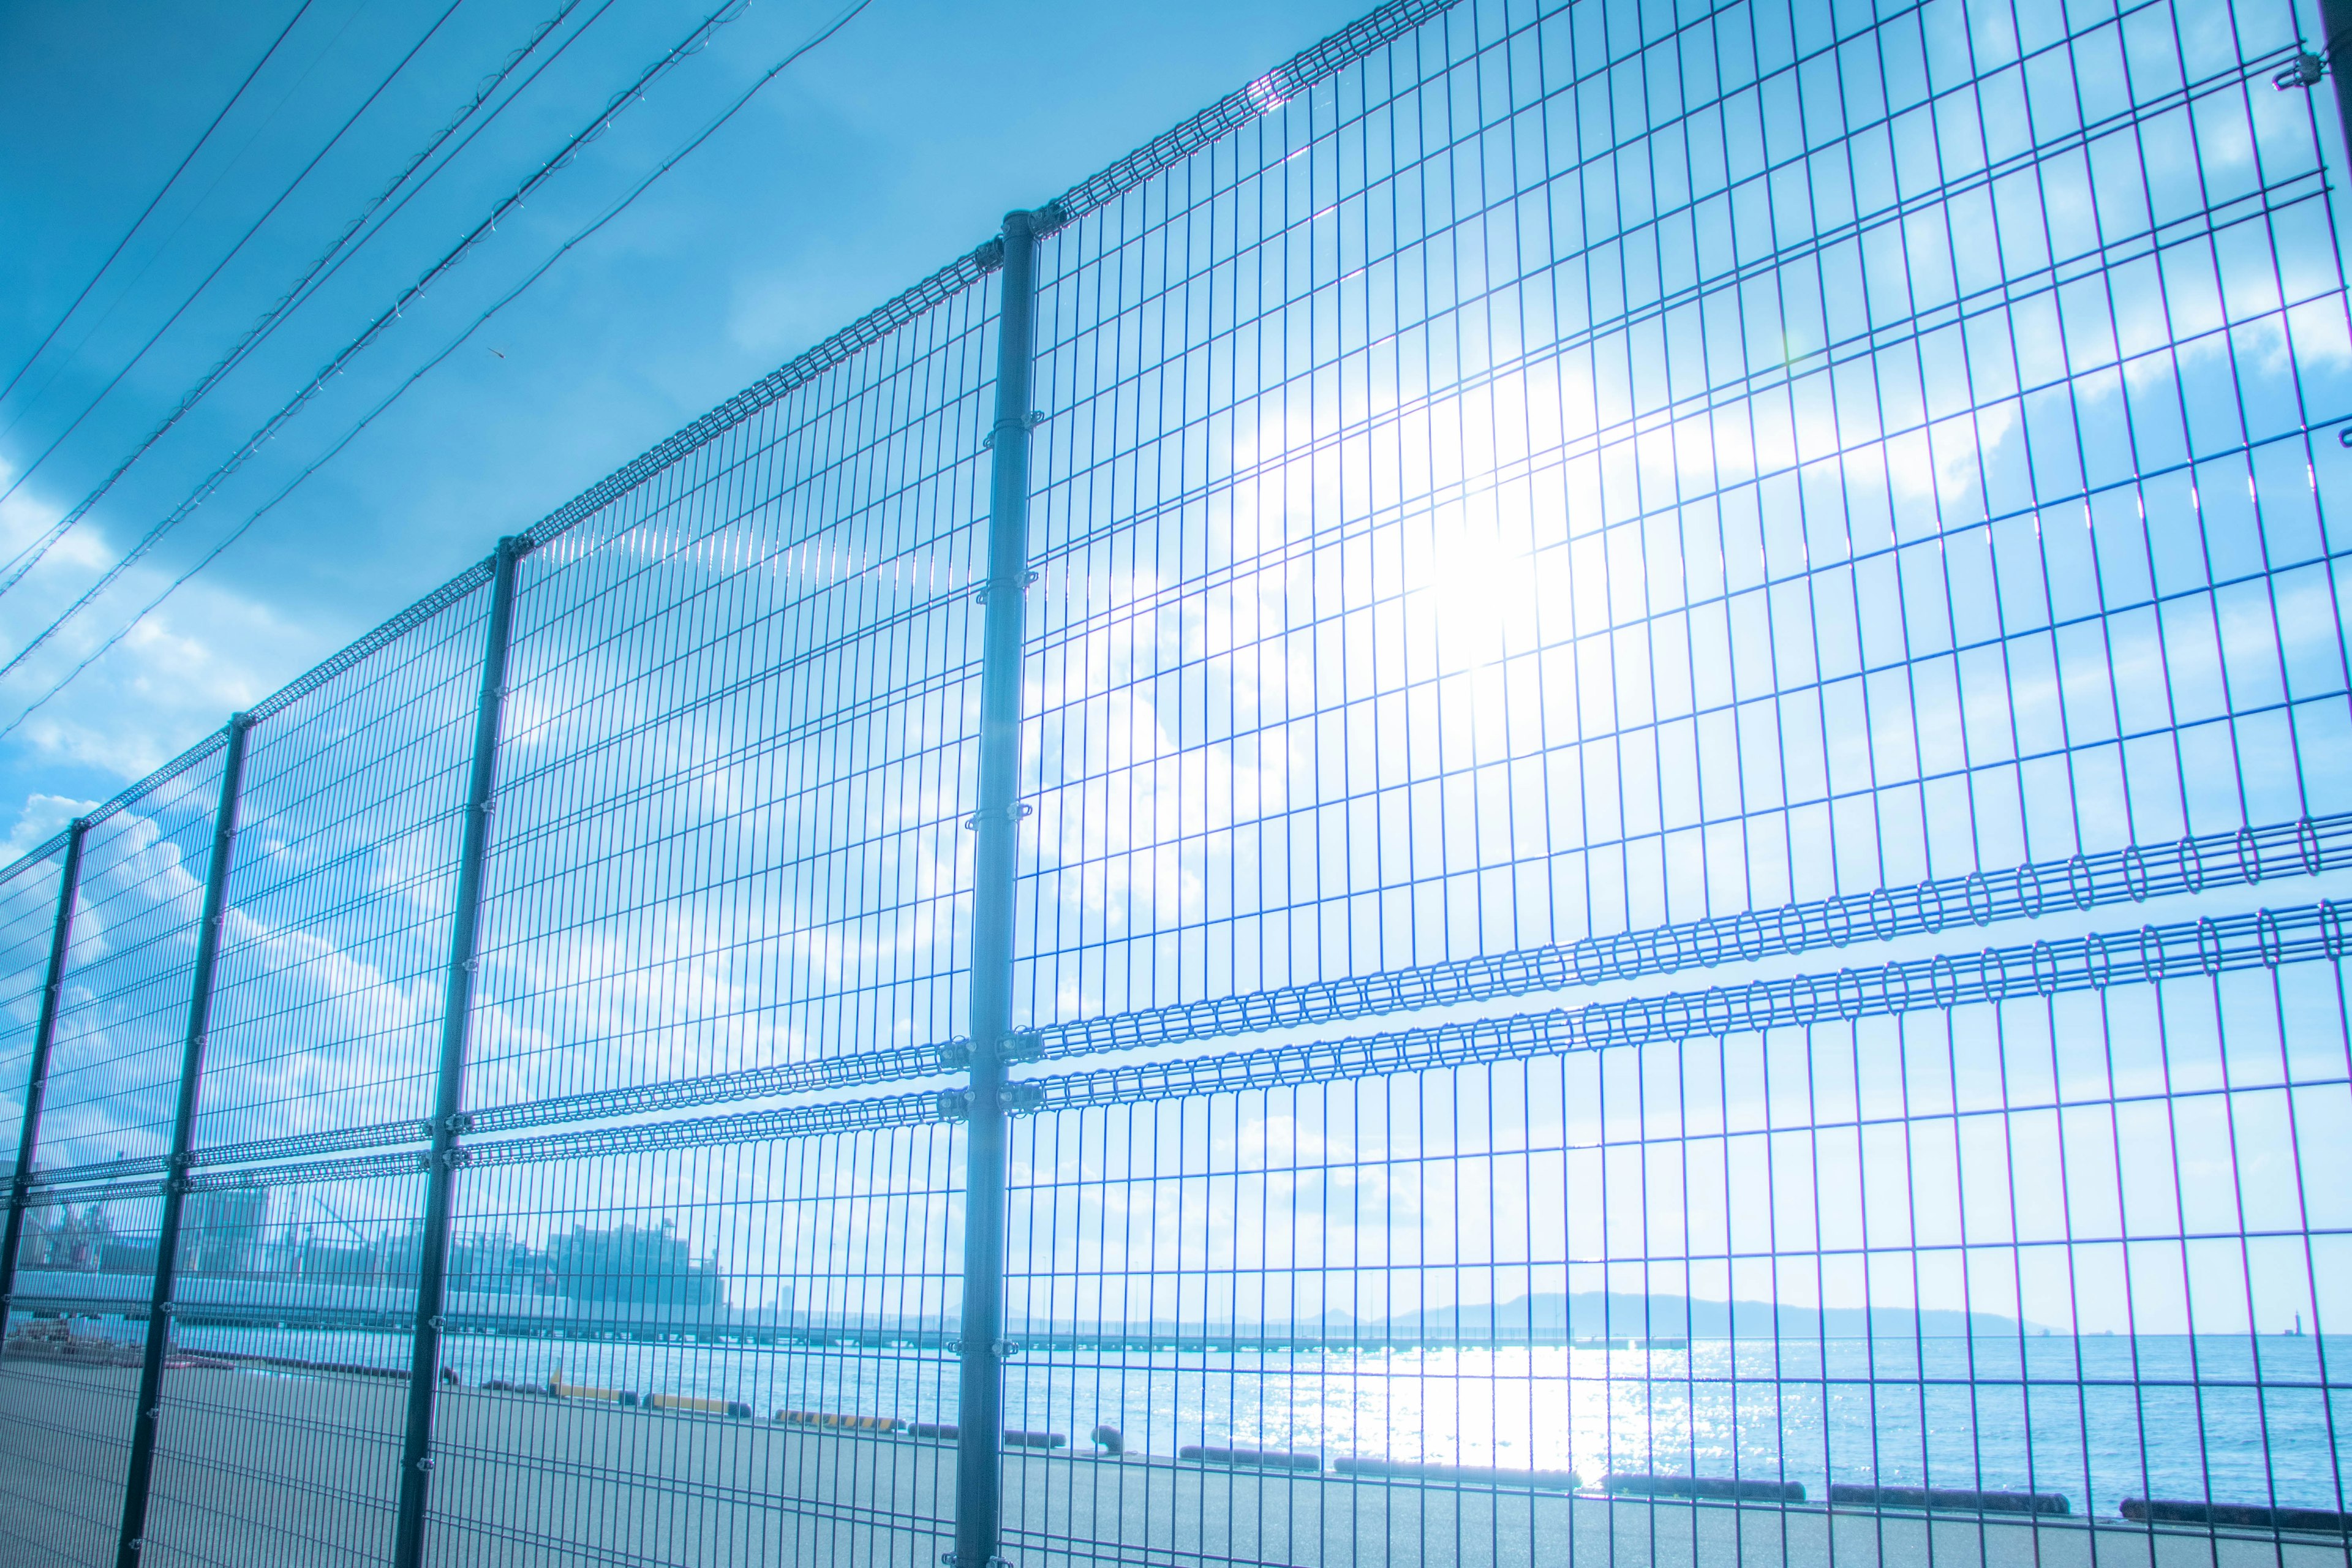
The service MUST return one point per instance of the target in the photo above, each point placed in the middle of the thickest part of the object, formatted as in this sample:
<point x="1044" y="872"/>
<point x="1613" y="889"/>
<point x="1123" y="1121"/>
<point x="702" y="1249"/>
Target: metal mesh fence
<point x="89" y="1238"/>
<point x="28" y="899"/>
<point x="122" y="1020"/>
<point x="736" y="759"/>
<point x="1556" y="491"/>
<point x="327" y="1003"/>
<point x="1646" y="708"/>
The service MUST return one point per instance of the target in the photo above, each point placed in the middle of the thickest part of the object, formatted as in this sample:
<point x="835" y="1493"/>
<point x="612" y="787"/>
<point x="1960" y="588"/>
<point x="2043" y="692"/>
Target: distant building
<point x="222" y="1233"/>
<point x="632" y="1263"/>
<point x="124" y="1255"/>
<point x="227" y="1235"/>
<point x="59" y="1238"/>
<point x="492" y="1262"/>
<point x="353" y="1262"/>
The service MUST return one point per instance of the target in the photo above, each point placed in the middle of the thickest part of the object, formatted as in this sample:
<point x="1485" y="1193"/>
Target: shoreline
<point x="215" y="1302"/>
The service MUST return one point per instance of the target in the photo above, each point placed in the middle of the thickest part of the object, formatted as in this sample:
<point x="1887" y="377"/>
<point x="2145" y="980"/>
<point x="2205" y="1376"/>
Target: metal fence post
<point x="980" y="1383"/>
<point x="148" y="1415"/>
<point x="2335" y="23"/>
<point x="36" y="1082"/>
<point x="448" y="1122"/>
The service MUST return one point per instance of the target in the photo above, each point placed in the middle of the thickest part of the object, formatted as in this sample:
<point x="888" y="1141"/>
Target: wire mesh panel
<point x="1600" y="491"/>
<point x="734" y="767"/>
<point x="88" y="1260"/>
<point x="28" y="908"/>
<point x="728" y="848"/>
<point x="701" y="1345"/>
<point x="123" y="1019"/>
<point x="2038" y="1257"/>
<point x="1581" y="472"/>
<point x="297" y="1296"/>
<point x="27" y="917"/>
<point x="327" y="1006"/>
<point x="279" y="1435"/>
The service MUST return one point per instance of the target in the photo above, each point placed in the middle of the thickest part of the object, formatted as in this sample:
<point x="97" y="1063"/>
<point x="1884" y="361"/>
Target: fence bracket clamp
<point x="1031" y="423"/>
<point x="980" y="594"/>
<point x="2303" y="71"/>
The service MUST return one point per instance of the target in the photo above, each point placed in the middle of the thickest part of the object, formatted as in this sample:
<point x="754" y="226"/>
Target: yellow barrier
<point x="699" y="1405"/>
<point x="854" y="1423"/>
<point x="562" y="1390"/>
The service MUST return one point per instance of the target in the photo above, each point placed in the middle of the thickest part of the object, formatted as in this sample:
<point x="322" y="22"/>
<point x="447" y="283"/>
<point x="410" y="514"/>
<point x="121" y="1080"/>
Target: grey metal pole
<point x="980" y="1420"/>
<point x="2336" y="19"/>
<point x="148" y="1420"/>
<point x="37" y="1084"/>
<point x="449" y="1120"/>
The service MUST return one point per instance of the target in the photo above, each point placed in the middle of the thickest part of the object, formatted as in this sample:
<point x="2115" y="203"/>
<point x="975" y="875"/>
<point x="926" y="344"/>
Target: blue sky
<point x="886" y="151"/>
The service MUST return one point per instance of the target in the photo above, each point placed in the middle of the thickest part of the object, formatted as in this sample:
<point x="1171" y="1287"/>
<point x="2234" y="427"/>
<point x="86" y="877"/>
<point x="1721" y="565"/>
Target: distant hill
<point x="1612" y="1314"/>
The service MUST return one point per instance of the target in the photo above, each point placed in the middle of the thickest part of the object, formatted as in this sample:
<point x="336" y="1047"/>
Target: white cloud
<point x="178" y="673"/>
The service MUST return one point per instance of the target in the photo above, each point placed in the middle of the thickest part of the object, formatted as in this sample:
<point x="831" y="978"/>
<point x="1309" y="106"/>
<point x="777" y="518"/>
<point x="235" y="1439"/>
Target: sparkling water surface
<point x="2099" y="1419"/>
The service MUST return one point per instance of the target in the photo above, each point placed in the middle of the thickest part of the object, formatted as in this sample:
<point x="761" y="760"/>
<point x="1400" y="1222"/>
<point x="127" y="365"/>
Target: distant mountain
<point x="1620" y="1315"/>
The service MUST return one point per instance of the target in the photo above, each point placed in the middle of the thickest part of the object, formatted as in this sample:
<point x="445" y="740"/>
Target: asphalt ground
<point x="296" y="1470"/>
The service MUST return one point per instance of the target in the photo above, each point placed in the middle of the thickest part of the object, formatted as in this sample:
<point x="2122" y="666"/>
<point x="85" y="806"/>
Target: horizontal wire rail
<point x="2267" y="939"/>
<point x="2205" y="947"/>
<point x="1268" y="92"/>
<point x="2134" y="874"/>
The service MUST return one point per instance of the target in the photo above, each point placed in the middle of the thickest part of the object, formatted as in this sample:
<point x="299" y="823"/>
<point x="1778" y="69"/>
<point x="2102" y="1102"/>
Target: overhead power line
<point x="219" y="266"/>
<point x="840" y="21"/>
<point x="620" y="101"/>
<point x="148" y="211"/>
<point x="329" y="262"/>
<point x="162" y="246"/>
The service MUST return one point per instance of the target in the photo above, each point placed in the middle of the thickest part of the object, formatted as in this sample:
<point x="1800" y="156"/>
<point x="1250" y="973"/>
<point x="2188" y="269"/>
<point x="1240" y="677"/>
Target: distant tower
<point x="224" y="1231"/>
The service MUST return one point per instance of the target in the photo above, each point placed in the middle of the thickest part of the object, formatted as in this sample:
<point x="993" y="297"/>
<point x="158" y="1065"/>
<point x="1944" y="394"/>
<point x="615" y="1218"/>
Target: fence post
<point x="980" y="1419"/>
<point x="37" y="1083"/>
<point x="2336" y="46"/>
<point x="148" y="1414"/>
<point x="464" y="943"/>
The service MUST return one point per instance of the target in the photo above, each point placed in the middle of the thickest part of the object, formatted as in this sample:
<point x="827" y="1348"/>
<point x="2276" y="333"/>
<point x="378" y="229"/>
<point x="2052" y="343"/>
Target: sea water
<point x="2263" y="1421"/>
